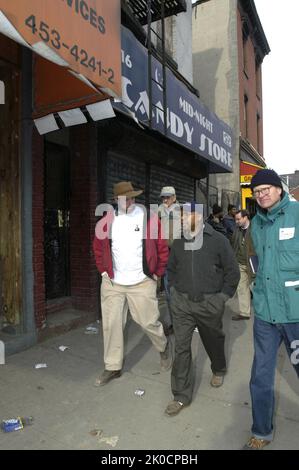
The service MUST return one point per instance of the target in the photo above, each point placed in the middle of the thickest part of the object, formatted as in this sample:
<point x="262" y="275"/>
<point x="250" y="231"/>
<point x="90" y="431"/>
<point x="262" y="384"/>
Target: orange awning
<point x="55" y="89"/>
<point x="78" y="50"/>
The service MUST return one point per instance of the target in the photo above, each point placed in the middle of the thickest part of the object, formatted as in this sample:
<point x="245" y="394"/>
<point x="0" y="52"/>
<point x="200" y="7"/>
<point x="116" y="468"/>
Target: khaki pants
<point x="141" y="299"/>
<point x="243" y="292"/>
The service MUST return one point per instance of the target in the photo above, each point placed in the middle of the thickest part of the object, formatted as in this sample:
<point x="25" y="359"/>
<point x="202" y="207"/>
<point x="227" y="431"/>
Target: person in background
<point x="216" y="219"/>
<point x="275" y="235"/>
<point x="229" y="220"/>
<point x="130" y="260"/>
<point x="203" y="275"/>
<point x="170" y="215"/>
<point x="243" y="249"/>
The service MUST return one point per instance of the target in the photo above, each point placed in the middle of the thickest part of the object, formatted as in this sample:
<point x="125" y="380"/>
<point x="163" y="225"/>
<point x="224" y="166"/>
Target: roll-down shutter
<point x="159" y="177"/>
<point x="124" y="169"/>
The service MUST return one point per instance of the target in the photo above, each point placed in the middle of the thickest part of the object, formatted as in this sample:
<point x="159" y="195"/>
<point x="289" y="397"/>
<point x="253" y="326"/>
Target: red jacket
<point x="155" y="249"/>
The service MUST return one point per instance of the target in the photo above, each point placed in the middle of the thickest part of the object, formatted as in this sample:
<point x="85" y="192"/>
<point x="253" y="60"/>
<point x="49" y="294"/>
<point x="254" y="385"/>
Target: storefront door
<point x="56" y="221"/>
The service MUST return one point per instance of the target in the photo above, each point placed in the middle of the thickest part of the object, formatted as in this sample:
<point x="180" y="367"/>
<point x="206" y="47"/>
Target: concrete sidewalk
<point x="66" y="406"/>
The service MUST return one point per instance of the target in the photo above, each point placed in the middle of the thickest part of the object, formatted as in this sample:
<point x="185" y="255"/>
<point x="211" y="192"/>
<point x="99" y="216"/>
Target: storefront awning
<point x="78" y="49"/>
<point x="247" y="171"/>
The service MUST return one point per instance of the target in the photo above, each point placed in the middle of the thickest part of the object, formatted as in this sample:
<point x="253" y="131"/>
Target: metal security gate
<point x="148" y="177"/>
<point x="121" y="168"/>
<point x="161" y="176"/>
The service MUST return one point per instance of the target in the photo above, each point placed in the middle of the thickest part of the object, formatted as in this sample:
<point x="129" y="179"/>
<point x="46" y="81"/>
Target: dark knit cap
<point x="266" y="177"/>
<point x="216" y="209"/>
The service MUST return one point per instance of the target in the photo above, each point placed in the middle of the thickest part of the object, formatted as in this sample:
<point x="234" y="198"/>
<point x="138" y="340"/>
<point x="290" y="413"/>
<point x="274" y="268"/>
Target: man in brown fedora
<point x="130" y="254"/>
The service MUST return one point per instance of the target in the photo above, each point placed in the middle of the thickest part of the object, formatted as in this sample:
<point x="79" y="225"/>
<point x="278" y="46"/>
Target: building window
<point x="245" y="35"/>
<point x="258" y="78"/>
<point x="246" y="115"/>
<point x="258" y="133"/>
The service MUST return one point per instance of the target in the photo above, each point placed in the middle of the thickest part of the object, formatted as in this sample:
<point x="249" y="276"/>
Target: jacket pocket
<point x="291" y="293"/>
<point x="289" y="255"/>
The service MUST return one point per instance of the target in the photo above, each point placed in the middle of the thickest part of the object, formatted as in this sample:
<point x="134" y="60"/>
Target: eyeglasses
<point x="261" y="192"/>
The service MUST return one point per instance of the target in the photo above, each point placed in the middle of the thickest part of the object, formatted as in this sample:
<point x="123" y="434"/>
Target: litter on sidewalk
<point x="91" y="330"/>
<point x="139" y="392"/>
<point x="63" y="348"/>
<point x="15" y="424"/>
<point x="110" y="440"/>
<point x="40" y="366"/>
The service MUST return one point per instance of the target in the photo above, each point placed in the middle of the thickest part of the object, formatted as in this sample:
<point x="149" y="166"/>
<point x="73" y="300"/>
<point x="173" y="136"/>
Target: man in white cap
<point x="130" y="256"/>
<point x="170" y="215"/>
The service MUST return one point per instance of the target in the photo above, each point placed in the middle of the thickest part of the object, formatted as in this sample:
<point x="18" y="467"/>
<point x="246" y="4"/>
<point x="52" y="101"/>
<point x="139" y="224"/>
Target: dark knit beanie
<point x="216" y="209"/>
<point x="266" y="177"/>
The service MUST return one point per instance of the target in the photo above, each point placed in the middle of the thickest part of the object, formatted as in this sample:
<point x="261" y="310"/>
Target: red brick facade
<point x="83" y="274"/>
<point x="84" y="290"/>
<point x="250" y="86"/>
<point x="38" y="228"/>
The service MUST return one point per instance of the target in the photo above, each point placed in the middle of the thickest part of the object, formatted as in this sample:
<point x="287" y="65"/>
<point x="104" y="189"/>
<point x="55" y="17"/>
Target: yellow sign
<point x="246" y="178"/>
<point x="84" y="35"/>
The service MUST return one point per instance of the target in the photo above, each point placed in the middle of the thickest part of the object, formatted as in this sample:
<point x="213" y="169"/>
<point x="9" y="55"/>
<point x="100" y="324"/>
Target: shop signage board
<point x="81" y="35"/>
<point x="189" y="122"/>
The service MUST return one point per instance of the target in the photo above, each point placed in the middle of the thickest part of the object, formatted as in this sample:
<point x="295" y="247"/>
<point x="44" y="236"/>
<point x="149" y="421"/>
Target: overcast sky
<point x="280" y="84"/>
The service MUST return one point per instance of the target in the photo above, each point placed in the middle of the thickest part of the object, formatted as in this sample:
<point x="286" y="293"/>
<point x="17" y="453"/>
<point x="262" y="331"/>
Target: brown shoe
<point x="217" y="380"/>
<point x="106" y="376"/>
<point x="255" y="444"/>
<point x="174" y="407"/>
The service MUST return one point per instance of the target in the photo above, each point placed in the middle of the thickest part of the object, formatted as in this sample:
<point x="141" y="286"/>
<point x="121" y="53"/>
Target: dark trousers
<point x="267" y="339"/>
<point x="186" y="316"/>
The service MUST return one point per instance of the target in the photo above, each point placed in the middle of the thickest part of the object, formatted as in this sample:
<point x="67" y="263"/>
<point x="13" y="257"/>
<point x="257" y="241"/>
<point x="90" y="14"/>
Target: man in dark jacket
<point x="229" y="220"/>
<point x="203" y="275"/>
<point x="242" y="245"/>
<point x="216" y="220"/>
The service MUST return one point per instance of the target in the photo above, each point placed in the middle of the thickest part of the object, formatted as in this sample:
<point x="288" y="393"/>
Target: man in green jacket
<point x="275" y="234"/>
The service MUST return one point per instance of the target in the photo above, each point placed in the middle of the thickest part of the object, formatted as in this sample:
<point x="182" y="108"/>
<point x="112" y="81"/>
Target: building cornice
<point x="249" y="149"/>
<point x="256" y="29"/>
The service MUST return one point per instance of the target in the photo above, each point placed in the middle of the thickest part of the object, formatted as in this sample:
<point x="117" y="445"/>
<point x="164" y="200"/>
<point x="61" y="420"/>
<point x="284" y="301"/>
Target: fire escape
<point x="143" y="13"/>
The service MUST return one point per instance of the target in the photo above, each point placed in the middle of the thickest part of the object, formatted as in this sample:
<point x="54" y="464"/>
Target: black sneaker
<point x="106" y="376"/>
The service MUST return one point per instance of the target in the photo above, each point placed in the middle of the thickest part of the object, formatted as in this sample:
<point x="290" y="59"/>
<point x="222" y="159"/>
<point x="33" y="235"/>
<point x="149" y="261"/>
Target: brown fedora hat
<point x="125" y="188"/>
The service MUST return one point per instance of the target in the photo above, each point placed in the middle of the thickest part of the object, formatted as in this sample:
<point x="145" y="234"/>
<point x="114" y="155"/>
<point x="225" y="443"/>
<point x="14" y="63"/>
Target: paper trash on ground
<point x="91" y="330"/>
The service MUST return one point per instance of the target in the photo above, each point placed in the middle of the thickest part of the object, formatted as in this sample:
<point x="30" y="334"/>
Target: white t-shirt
<point x="127" y="237"/>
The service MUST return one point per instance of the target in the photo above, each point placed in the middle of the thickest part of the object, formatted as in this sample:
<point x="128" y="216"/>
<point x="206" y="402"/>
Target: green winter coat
<point x="275" y="235"/>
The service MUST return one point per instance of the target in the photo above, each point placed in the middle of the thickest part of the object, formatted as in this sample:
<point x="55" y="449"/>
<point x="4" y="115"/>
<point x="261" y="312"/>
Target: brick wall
<point x="38" y="228"/>
<point x="249" y="86"/>
<point x="84" y="280"/>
